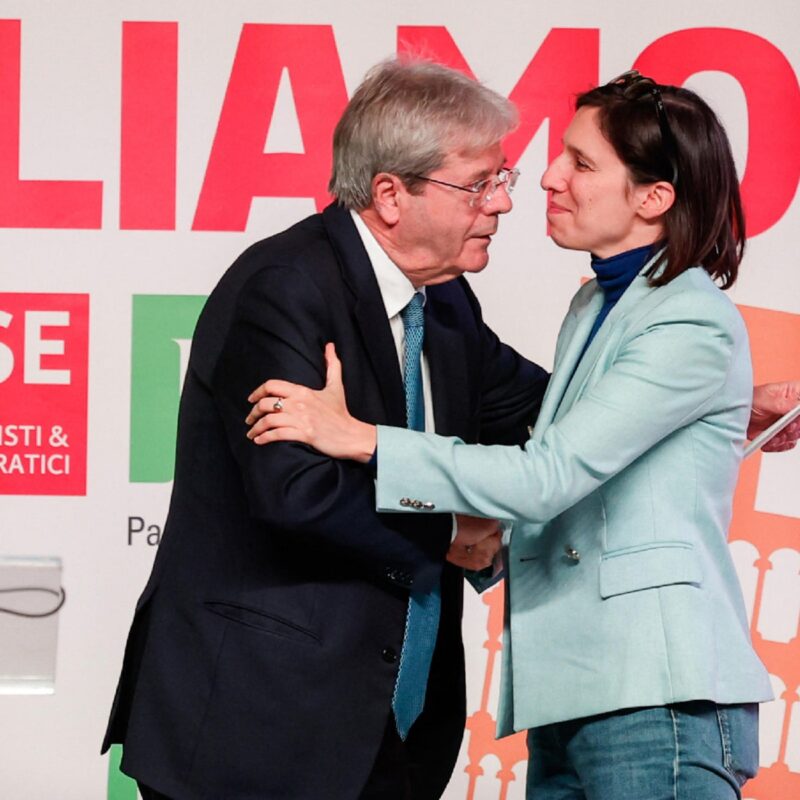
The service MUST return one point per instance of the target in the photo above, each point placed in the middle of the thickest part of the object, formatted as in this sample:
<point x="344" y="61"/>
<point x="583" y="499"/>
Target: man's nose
<point x="500" y="201"/>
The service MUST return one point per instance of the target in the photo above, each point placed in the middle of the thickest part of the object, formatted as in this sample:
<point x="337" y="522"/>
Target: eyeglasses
<point x="628" y="83"/>
<point x="482" y="191"/>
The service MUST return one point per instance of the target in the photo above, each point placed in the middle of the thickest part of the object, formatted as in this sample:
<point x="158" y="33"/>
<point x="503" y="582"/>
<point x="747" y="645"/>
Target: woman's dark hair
<point x="666" y="133"/>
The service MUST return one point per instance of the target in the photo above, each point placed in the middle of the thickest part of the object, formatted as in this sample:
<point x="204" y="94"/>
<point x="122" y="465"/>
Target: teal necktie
<point x="422" y="620"/>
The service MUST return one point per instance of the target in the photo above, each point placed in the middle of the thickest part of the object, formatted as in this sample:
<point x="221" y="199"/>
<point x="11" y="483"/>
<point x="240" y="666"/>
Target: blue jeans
<point x="686" y="751"/>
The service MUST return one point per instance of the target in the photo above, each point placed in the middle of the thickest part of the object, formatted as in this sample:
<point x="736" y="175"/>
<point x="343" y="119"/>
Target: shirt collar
<point x="395" y="288"/>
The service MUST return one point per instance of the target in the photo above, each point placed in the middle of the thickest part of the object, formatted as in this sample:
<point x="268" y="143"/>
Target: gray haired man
<point x="291" y="642"/>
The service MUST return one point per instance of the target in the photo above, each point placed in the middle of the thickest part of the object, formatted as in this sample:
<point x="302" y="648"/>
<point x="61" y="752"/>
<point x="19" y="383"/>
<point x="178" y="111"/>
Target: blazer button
<point x="389" y="655"/>
<point x="572" y="553"/>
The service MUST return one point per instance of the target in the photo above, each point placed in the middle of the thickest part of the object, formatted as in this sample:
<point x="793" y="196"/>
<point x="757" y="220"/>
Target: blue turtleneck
<point x="614" y="275"/>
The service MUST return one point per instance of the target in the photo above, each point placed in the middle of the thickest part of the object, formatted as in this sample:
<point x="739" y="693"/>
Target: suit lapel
<point x="445" y="347"/>
<point x="368" y="310"/>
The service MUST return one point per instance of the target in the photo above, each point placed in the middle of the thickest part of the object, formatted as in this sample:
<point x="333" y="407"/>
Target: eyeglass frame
<point x="633" y="77"/>
<point x="507" y="177"/>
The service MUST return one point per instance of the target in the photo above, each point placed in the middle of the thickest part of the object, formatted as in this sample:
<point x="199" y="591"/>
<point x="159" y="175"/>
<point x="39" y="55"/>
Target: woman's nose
<point x="553" y="178"/>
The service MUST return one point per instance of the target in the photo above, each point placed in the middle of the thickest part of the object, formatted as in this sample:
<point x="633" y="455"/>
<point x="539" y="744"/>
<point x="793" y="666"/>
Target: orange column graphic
<point x="511" y="750"/>
<point x="775" y="343"/>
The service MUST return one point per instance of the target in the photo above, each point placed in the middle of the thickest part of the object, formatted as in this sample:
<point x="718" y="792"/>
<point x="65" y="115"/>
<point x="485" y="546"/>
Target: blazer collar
<point x="574" y="333"/>
<point x="569" y="374"/>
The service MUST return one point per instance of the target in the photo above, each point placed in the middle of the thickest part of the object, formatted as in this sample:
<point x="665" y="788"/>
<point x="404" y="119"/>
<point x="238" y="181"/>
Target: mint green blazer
<point x="620" y="585"/>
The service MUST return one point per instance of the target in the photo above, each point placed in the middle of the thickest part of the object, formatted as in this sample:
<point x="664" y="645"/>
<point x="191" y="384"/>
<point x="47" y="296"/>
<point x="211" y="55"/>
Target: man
<point x="263" y="659"/>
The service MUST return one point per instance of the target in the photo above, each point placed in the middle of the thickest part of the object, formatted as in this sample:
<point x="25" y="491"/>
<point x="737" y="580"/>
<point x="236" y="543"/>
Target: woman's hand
<point x="288" y="412"/>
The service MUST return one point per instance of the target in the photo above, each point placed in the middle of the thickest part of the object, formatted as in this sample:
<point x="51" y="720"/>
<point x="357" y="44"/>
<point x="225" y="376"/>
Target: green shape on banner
<point x="120" y="786"/>
<point x="162" y="331"/>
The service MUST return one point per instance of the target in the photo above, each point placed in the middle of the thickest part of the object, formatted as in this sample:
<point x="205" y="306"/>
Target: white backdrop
<point x="124" y="117"/>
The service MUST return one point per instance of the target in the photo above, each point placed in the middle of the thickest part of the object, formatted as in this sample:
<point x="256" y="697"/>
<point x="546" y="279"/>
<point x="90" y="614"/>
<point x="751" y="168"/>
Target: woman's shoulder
<point x="694" y="295"/>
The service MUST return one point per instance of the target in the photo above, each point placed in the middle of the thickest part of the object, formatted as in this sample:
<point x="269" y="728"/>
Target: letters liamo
<point x="239" y="170"/>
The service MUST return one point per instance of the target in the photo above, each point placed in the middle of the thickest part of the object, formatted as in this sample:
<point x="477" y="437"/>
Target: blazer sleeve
<point x="279" y="328"/>
<point x="665" y="376"/>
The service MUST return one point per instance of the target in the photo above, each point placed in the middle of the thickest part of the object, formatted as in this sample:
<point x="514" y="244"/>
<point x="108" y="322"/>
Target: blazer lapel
<point x="631" y="298"/>
<point x="571" y="339"/>
<point x="368" y="310"/>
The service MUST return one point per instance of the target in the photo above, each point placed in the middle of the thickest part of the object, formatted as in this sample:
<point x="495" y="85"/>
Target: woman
<point x="627" y="646"/>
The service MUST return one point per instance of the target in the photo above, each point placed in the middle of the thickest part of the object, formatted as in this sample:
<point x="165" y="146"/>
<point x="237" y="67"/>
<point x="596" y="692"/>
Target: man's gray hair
<point x="404" y="119"/>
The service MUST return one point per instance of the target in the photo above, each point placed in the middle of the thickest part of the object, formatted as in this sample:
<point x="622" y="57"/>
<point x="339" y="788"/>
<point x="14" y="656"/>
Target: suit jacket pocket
<point x="261" y="620"/>
<point x="632" y="569"/>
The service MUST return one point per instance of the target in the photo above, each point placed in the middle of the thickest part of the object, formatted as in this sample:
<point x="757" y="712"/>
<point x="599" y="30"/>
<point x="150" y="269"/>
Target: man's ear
<point x="655" y="200"/>
<point x="386" y="196"/>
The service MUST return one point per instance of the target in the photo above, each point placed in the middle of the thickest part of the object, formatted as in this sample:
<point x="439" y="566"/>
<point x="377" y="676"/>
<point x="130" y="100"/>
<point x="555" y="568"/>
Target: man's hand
<point x="476" y="544"/>
<point x="770" y="402"/>
<point x="475" y="557"/>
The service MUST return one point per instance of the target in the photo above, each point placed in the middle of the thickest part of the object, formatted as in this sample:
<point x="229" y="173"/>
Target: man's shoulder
<point x="314" y="249"/>
<point x="295" y="269"/>
<point x="303" y="246"/>
<point x="455" y="299"/>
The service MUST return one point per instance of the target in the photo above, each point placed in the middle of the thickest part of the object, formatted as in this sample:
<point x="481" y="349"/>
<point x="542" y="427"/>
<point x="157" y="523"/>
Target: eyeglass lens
<point x="506" y="176"/>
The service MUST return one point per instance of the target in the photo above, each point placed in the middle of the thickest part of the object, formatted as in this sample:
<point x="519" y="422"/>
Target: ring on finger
<point x="278" y="404"/>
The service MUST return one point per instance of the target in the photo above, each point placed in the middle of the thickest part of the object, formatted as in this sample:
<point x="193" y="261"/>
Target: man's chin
<point x="478" y="267"/>
<point x="474" y="265"/>
<point x="479" y="261"/>
<point x="456" y="271"/>
<point x="477" y="257"/>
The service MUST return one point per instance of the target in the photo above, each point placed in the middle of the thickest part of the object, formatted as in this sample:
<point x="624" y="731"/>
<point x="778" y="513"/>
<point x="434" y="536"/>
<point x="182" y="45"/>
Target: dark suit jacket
<point x="264" y="649"/>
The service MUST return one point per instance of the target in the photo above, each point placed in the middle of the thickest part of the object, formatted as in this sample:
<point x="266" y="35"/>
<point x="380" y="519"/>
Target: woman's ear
<point x="386" y="196"/>
<point x="655" y="200"/>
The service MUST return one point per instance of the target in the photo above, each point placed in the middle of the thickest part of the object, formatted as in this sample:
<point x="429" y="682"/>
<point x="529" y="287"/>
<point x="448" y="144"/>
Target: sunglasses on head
<point x="634" y="86"/>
